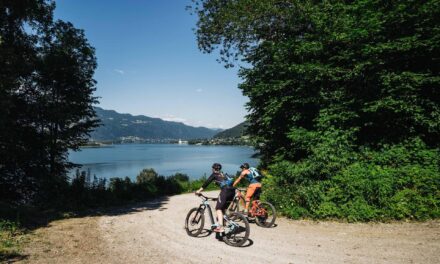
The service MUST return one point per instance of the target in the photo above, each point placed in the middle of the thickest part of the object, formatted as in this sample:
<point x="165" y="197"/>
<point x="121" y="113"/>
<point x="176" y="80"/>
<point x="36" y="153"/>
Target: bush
<point x="83" y="192"/>
<point x="9" y="239"/>
<point x="399" y="181"/>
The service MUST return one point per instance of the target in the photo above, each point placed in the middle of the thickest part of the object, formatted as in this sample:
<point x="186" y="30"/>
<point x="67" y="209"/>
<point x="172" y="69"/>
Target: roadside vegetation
<point x="10" y="240"/>
<point x="83" y="195"/>
<point x="344" y="101"/>
<point x="86" y="192"/>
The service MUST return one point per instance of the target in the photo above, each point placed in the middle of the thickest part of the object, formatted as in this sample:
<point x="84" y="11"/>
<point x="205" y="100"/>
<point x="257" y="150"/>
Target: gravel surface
<point x="153" y="232"/>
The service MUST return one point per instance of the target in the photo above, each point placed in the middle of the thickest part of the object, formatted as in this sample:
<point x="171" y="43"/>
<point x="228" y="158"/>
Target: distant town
<point x="244" y="140"/>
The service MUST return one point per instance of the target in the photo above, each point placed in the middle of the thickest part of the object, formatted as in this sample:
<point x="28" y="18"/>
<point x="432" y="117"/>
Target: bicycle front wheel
<point x="237" y="230"/>
<point x="265" y="214"/>
<point x="194" y="222"/>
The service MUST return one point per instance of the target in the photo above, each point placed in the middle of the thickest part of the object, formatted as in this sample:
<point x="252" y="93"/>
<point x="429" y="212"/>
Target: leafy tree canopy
<point x="329" y="81"/>
<point x="46" y="97"/>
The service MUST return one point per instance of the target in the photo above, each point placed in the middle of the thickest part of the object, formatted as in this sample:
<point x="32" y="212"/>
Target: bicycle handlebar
<point x="207" y="198"/>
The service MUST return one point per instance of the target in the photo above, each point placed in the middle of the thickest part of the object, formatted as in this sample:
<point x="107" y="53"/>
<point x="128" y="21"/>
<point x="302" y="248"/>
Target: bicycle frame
<point x="254" y="209"/>
<point x="205" y="205"/>
<point x="202" y="207"/>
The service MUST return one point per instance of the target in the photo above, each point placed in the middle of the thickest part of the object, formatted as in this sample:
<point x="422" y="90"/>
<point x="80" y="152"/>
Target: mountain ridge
<point x="233" y="132"/>
<point x="117" y="126"/>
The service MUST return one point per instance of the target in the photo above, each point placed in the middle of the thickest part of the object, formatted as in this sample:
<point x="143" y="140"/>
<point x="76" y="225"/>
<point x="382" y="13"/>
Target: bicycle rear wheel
<point x="237" y="230"/>
<point x="195" y="221"/>
<point x="265" y="214"/>
<point x="237" y="205"/>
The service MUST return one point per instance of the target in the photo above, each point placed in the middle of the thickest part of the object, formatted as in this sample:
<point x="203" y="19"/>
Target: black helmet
<point x="217" y="166"/>
<point x="244" y="166"/>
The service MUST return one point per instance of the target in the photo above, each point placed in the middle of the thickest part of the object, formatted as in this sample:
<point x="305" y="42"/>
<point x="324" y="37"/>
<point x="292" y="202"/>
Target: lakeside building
<point x="182" y="142"/>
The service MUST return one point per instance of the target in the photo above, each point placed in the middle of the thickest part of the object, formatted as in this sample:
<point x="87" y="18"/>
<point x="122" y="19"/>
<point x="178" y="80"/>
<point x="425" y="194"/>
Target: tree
<point x="18" y="61"/>
<point x="147" y="176"/>
<point x="370" y="66"/>
<point x="338" y="90"/>
<point x="46" y="89"/>
<point x="66" y="64"/>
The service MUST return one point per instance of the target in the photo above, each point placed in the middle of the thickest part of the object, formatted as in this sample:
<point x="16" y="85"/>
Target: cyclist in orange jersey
<point x="254" y="184"/>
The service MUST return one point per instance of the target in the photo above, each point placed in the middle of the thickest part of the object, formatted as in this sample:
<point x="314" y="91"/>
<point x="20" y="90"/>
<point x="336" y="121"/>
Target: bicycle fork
<point x="202" y="209"/>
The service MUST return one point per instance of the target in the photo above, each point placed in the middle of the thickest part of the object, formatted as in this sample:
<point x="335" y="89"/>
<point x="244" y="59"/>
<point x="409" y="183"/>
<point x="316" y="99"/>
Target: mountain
<point x="117" y="126"/>
<point x="234" y="132"/>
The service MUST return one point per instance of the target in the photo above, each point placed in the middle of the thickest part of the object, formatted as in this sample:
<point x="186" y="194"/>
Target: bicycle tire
<point x="237" y="205"/>
<point x="242" y="228"/>
<point x="241" y="204"/>
<point x="269" y="220"/>
<point x="189" y="221"/>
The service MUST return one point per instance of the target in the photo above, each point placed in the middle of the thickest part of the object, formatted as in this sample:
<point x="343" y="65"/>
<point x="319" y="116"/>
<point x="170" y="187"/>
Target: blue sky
<point x="149" y="63"/>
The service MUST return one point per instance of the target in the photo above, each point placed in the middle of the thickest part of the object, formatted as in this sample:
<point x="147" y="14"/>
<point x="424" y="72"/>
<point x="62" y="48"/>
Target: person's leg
<point x="225" y="199"/>
<point x="220" y="217"/>
<point x="221" y="201"/>
<point x="249" y="192"/>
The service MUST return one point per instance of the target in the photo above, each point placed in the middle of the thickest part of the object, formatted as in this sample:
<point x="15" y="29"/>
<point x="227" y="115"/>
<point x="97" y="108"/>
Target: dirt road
<point x="154" y="233"/>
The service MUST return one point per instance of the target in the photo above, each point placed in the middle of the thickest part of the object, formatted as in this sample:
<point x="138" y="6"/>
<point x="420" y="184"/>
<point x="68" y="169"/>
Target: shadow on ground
<point x="11" y="258"/>
<point x="31" y="218"/>
<point x="207" y="232"/>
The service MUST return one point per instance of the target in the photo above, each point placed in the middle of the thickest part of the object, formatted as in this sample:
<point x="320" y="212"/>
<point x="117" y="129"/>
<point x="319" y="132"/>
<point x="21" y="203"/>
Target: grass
<point x="11" y="236"/>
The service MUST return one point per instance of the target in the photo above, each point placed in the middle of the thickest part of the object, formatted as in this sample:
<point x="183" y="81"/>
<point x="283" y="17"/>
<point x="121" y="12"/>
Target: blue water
<point x="166" y="159"/>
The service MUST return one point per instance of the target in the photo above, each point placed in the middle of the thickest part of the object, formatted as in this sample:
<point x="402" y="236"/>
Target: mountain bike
<point x="236" y="230"/>
<point x="263" y="212"/>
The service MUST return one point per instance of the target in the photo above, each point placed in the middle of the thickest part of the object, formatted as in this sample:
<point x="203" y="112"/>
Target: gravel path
<point x="154" y="232"/>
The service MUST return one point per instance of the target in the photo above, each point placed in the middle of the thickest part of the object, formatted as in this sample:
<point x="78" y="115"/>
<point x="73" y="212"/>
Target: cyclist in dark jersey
<point x="226" y="195"/>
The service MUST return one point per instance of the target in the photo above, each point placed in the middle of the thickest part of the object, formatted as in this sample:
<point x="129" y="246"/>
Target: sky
<point x="149" y="63"/>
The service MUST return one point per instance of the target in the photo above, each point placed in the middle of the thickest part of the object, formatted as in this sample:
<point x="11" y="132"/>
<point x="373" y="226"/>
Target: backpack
<point x="227" y="181"/>
<point x="255" y="173"/>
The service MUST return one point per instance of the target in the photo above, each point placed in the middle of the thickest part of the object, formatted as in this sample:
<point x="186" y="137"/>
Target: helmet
<point x="244" y="166"/>
<point x="217" y="166"/>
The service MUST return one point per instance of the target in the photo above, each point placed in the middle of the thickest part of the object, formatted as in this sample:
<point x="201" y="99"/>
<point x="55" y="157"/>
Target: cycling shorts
<point x="225" y="198"/>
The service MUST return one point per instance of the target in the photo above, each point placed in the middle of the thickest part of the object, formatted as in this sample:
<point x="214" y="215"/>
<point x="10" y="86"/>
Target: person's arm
<point x="238" y="179"/>
<point x="205" y="184"/>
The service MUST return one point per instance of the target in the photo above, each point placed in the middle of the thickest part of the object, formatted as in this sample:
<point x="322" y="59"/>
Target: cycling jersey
<point x="251" y="178"/>
<point x="219" y="179"/>
<point x="227" y="192"/>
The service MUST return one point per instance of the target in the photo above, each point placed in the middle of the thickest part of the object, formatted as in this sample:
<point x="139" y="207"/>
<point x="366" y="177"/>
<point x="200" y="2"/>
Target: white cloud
<point x="173" y="118"/>
<point x="188" y="122"/>
<point x="121" y="72"/>
<point x="199" y="90"/>
<point x="209" y="125"/>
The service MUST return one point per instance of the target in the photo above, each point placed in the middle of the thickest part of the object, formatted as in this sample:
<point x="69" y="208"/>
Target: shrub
<point x="399" y="181"/>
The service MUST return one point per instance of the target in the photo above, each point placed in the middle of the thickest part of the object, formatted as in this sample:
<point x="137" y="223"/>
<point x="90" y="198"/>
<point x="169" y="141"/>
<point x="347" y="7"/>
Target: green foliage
<point x="343" y="99"/>
<point x="85" y="192"/>
<point x="147" y="176"/>
<point x="46" y="98"/>
<point x="399" y="181"/>
<point x="9" y="239"/>
<point x="233" y="132"/>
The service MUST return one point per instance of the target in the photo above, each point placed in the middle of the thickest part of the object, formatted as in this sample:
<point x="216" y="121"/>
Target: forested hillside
<point x="233" y="132"/>
<point x="115" y="126"/>
<point x="344" y="101"/>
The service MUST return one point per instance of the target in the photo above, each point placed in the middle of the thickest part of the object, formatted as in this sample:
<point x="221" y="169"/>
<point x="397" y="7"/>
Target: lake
<point x="166" y="159"/>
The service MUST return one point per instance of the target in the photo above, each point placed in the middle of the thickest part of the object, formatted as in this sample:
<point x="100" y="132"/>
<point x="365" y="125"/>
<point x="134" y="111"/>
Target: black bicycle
<point x="236" y="231"/>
